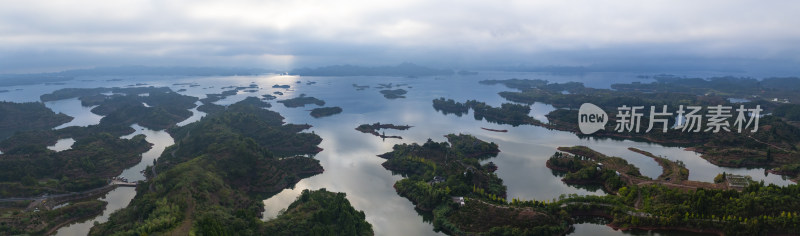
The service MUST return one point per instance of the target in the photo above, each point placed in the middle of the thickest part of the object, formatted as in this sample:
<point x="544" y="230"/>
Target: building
<point x="459" y="200"/>
<point x="437" y="179"/>
<point x="737" y="182"/>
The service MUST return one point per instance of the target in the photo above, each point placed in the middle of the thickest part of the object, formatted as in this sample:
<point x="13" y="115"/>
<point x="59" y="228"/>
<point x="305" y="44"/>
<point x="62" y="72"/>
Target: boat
<point x="495" y="130"/>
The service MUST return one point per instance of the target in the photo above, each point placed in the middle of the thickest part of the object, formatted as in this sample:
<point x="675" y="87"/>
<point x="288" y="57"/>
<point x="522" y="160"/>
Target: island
<point x="325" y="111"/>
<point x="151" y="107"/>
<point x="360" y="87"/>
<point x="319" y="212"/>
<point x="302" y="101"/>
<point x="255" y="102"/>
<point x="437" y="179"/>
<point x="447" y="181"/>
<point x="214" y="97"/>
<point x="373" y="129"/>
<point x="394" y="93"/>
<point x="672" y="202"/>
<point x="450" y="106"/>
<point x="508" y="113"/>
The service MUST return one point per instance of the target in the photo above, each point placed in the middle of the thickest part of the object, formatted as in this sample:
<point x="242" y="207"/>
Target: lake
<point x="349" y="156"/>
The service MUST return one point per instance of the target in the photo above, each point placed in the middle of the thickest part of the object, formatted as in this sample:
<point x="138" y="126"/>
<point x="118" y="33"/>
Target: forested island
<point x="325" y="111"/>
<point x="464" y="197"/>
<point x="394" y="93"/>
<point x="151" y="107"/>
<point x="319" y="213"/>
<point x="438" y="178"/>
<point x="373" y="129"/>
<point x="507" y="113"/>
<point x="302" y="101"/>
<point x="730" y="208"/>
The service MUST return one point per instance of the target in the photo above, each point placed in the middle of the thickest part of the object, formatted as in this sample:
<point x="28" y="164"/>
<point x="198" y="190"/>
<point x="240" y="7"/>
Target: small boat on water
<point x="495" y="130"/>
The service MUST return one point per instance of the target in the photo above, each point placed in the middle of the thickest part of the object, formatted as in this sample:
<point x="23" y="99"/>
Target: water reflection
<point x="72" y="107"/>
<point x="117" y="199"/>
<point x="62" y="144"/>
<point x="349" y="156"/>
<point x="160" y="141"/>
<point x="603" y="230"/>
<point x="196" y="115"/>
<point x="121" y="196"/>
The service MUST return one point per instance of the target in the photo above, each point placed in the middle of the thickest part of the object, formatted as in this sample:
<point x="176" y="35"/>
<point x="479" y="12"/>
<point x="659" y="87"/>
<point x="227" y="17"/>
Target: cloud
<point x="38" y="34"/>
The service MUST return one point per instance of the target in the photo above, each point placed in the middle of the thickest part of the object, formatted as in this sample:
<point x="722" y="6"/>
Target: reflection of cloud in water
<point x="196" y="115"/>
<point x="83" y="116"/>
<point x="117" y="199"/>
<point x="62" y="144"/>
<point x="349" y="156"/>
<point x="351" y="166"/>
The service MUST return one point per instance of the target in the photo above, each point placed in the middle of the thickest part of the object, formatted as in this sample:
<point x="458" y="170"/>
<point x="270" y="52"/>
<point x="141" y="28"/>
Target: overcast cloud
<point x="56" y="34"/>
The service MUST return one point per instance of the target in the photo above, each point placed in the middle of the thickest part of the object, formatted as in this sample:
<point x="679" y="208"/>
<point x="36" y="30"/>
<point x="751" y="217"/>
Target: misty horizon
<point x="47" y="36"/>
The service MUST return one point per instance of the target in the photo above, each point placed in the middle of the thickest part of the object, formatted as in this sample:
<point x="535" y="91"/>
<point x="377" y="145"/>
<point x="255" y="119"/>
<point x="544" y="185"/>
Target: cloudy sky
<point x="52" y="35"/>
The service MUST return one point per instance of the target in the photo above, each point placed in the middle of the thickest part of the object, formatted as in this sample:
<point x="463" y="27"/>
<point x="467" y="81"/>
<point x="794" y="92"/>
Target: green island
<point x="213" y="179"/>
<point x="360" y="87"/>
<point x="450" y="106"/>
<point x="150" y="107"/>
<point x="325" y="111"/>
<point x="214" y="97"/>
<point x="268" y="97"/>
<point x="319" y="212"/>
<point x="507" y="113"/>
<point x="302" y="101"/>
<point x="774" y="145"/>
<point x="734" y="206"/>
<point x="232" y="90"/>
<point x="374" y="127"/>
<point x="394" y="93"/>
<point x="27" y="116"/>
<point x="464" y="197"/>
<point x="255" y="102"/>
<point x="438" y="178"/>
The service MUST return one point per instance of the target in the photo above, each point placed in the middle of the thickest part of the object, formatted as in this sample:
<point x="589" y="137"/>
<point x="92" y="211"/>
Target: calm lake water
<point x="349" y="156"/>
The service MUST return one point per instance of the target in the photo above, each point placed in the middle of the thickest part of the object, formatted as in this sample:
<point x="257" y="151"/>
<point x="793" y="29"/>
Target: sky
<point x="52" y="35"/>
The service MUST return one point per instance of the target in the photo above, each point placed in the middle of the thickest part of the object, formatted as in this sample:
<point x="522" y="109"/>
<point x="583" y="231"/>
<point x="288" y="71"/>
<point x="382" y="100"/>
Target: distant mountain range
<point x="38" y="78"/>
<point x="404" y="69"/>
<point x="170" y="70"/>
